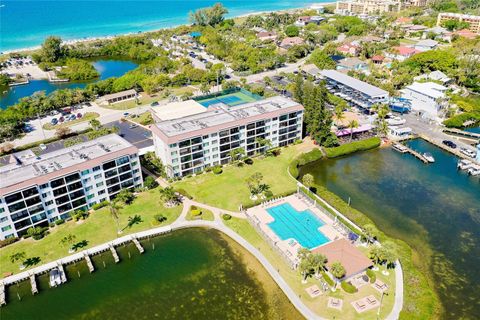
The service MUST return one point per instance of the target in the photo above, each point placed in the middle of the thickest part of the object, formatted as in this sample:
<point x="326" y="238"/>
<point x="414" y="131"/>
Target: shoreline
<point x="109" y="37"/>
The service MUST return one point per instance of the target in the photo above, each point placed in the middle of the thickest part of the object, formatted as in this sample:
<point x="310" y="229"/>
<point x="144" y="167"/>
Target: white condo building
<point x="201" y="137"/>
<point x="36" y="190"/>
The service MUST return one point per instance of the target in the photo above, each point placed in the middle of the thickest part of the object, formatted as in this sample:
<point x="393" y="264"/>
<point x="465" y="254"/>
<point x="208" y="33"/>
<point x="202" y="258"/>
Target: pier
<point x="33" y="283"/>
<point x="63" y="276"/>
<point x="114" y="253"/>
<point x="91" y="268"/>
<point x="463" y="134"/>
<point x="3" y="301"/>
<point x="405" y="149"/>
<point x="138" y="245"/>
<point x="448" y="149"/>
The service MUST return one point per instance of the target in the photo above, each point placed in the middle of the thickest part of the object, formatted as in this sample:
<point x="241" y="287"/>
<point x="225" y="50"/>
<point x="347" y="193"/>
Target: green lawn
<point x="130" y="104"/>
<point x="98" y="228"/>
<point x="144" y="119"/>
<point x="205" y="215"/>
<point x="228" y="190"/>
<point x="293" y="278"/>
<point x="86" y="117"/>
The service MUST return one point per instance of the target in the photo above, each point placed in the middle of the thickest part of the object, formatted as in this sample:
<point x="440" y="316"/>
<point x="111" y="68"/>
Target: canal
<point x="106" y="67"/>
<point x="188" y="274"/>
<point x="433" y="207"/>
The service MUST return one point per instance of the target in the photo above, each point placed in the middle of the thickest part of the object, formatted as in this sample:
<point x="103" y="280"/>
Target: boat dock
<point x="63" y="276"/>
<point x="91" y="268"/>
<point x="404" y="149"/>
<point x="448" y="149"/>
<point x="33" y="283"/>
<point x="138" y="245"/>
<point x="114" y="253"/>
<point x="463" y="134"/>
<point x="3" y="301"/>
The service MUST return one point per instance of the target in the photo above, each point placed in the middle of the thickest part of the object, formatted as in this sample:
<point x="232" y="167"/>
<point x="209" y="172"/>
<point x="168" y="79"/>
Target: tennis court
<point x="232" y="99"/>
<point x="299" y="225"/>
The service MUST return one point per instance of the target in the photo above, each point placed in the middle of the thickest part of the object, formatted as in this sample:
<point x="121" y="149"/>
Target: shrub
<point x="208" y="169"/>
<point x="352" y="147"/>
<point x="37" y="233"/>
<point x="59" y="222"/>
<point x="226" y="217"/>
<point x="184" y="193"/>
<point x="6" y="242"/>
<point x="304" y="159"/>
<point x="371" y="275"/>
<point x="99" y="205"/>
<point x="348" y="287"/>
<point x="458" y="120"/>
<point x="159" y="218"/>
<point x="248" y="161"/>
<point x="217" y="170"/>
<point x="327" y="279"/>
<point x="150" y="183"/>
<point x="196" y="212"/>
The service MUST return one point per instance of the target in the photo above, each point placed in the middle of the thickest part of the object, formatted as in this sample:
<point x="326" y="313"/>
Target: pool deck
<point x="290" y="248"/>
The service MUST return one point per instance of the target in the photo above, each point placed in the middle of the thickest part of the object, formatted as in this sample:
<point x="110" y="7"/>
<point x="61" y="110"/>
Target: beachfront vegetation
<point x="209" y="16"/>
<point x="352" y="147"/>
<point x="76" y="70"/>
<point x="97" y="229"/>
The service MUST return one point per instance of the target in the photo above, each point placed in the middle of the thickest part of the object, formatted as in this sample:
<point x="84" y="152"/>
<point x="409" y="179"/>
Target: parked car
<point x="61" y="119"/>
<point x="43" y="146"/>
<point x="79" y="115"/>
<point x="468" y="152"/>
<point x="125" y="114"/>
<point x="72" y="117"/>
<point x="154" y="104"/>
<point x="133" y="126"/>
<point x="54" y="121"/>
<point x="449" y="143"/>
<point x="88" y="104"/>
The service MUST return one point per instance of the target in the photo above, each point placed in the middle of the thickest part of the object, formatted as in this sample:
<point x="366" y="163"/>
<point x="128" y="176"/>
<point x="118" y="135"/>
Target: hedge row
<point x="304" y="159"/>
<point x="348" y="287"/>
<point x="352" y="147"/>
<point x="371" y="275"/>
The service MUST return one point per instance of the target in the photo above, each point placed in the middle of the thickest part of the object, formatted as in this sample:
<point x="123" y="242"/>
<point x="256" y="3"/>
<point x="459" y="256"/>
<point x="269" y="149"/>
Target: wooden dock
<point x="415" y="154"/>
<point x="114" y="253"/>
<point x="3" y="300"/>
<point x="138" y="245"/>
<point x="91" y="268"/>
<point x="33" y="283"/>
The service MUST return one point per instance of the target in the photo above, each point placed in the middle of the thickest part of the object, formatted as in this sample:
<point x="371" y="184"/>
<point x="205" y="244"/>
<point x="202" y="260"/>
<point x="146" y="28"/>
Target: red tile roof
<point x="405" y="51"/>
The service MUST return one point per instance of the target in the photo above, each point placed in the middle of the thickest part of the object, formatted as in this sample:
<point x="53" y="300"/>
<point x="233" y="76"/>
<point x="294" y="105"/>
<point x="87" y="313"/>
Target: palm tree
<point x="308" y="180"/>
<point x="376" y="254"/>
<point x="95" y="124"/>
<point x="205" y="88"/>
<point x="302" y="253"/>
<point x="339" y="113"/>
<point x="168" y="195"/>
<point x="319" y="261"/>
<point x="136" y="219"/>
<point x="369" y="231"/>
<point x="68" y="240"/>
<point x="352" y="125"/>
<point x="17" y="256"/>
<point x="337" y="270"/>
<point x="236" y="154"/>
<point x="305" y="267"/>
<point x="114" y="207"/>
<point x="264" y="144"/>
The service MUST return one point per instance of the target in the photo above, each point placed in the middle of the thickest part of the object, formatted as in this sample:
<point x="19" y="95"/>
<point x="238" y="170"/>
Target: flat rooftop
<point x="178" y="109"/>
<point x="25" y="165"/>
<point x="222" y="114"/>
<point x="356" y="84"/>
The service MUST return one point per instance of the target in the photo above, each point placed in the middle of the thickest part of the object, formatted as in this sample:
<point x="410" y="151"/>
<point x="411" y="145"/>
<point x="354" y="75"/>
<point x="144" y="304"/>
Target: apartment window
<point x="173" y="145"/>
<point x="46" y="194"/>
<point x="43" y="186"/>
<point x="134" y="163"/>
<point x="90" y="196"/>
<point x="85" y="172"/>
<point x="136" y="170"/>
<point x="2" y="210"/>
<point x="3" y="219"/>
<point x="101" y="192"/>
<point x="96" y="168"/>
<point x="13" y="197"/>
<point x="88" y="188"/>
<point x="98" y="176"/>
<point x="16" y="206"/>
<point x="122" y="160"/>
<point x="108" y="165"/>
<point x="86" y="180"/>
<point x="99" y="184"/>
<point x="49" y="202"/>
<point x="174" y="154"/>
<point x="72" y="177"/>
<point x="51" y="211"/>
<point x="6" y="228"/>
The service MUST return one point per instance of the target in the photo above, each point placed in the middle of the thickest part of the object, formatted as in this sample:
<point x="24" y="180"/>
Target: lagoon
<point x="188" y="274"/>
<point x="107" y="68"/>
<point x="433" y="207"/>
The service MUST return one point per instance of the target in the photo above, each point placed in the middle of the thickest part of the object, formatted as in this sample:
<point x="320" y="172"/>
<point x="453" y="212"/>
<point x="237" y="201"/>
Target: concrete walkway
<point x="398" y="305"/>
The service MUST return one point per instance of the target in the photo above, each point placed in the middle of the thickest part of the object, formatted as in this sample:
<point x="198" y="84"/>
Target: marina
<point x="405" y="149"/>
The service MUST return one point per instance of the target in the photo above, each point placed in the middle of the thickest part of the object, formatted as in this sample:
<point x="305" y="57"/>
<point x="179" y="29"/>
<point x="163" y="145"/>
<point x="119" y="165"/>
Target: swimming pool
<point x="301" y="226"/>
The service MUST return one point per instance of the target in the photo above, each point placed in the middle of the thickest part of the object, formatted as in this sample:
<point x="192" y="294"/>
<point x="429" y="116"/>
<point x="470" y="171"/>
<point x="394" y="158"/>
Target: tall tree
<point x="352" y="124"/>
<point x="51" y="49"/>
<point x="209" y="16"/>
<point x="337" y="270"/>
<point x="114" y="207"/>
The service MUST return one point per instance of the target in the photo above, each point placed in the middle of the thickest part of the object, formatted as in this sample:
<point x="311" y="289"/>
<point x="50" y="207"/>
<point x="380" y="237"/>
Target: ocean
<point x="25" y="24"/>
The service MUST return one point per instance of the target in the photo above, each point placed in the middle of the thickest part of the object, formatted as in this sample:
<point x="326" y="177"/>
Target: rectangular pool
<point x="301" y="226"/>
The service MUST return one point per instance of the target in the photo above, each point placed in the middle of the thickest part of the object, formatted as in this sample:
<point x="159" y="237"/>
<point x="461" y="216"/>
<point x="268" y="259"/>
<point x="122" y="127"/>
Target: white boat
<point x="464" y="164"/>
<point x="428" y="156"/>
<point x="468" y="152"/>
<point x="396" y="121"/>
<point x="55" y="278"/>
<point x="400" y="148"/>
<point x="474" y="170"/>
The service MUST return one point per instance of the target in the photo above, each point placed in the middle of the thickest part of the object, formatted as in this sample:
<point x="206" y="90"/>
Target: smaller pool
<point x="301" y="226"/>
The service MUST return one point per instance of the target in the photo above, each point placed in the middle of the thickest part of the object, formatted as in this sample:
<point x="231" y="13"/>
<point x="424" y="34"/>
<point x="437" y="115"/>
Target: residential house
<point x="426" y="98"/>
<point x="290" y="42"/>
<point x="349" y="48"/>
<point x="378" y="59"/>
<point x="473" y="21"/>
<point x="267" y="36"/>
<point x="425" y="45"/>
<point x="466" y="33"/>
<point x="402" y="53"/>
<point x="436" y="76"/>
<point x="304" y="20"/>
<point x="403" y="20"/>
<point x="352" y="64"/>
